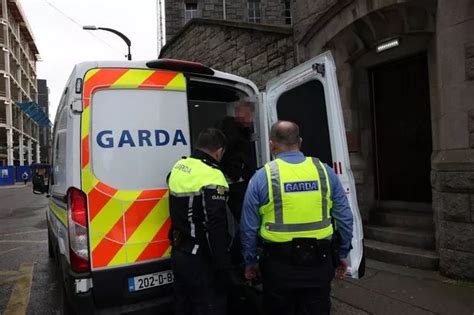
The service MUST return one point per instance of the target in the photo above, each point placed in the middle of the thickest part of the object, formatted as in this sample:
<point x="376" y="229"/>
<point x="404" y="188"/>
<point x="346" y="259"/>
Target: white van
<point x="119" y="129"/>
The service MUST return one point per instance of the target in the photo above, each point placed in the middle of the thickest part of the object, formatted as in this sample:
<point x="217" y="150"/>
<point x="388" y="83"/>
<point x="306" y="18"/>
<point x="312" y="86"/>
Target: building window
<point x="287" y="13"/>
<point x="190" y="11"/>
<point x="254" y="11"/>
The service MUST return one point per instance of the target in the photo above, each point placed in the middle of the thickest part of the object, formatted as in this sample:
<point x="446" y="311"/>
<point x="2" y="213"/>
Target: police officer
<point x="290" y="204"/>
<point x="200" y="229"/>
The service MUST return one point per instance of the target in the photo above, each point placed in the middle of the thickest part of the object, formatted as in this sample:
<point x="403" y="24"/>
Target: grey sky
<point x="62" y="43"/>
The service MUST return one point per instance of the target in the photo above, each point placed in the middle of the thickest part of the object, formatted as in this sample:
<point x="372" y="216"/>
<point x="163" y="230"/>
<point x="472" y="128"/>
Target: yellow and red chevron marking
<point x="124" y="226"/>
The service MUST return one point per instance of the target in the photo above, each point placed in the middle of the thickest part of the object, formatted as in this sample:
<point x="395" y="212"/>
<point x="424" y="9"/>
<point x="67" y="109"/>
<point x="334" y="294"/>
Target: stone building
<point x="179" y="12"/>
<point x="258" y="52"/>
<point x="408" y="112"/>
<point x="19" y="114"/>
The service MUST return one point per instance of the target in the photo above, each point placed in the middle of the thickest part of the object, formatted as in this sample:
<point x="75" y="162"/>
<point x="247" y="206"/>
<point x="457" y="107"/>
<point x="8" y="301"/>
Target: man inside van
<point x="290" y="204"/>
<point x="199" y="228"/>
<point x="239" y="161"/>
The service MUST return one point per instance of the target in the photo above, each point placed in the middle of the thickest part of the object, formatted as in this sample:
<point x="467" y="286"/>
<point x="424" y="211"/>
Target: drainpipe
<point x="223" y="9"/>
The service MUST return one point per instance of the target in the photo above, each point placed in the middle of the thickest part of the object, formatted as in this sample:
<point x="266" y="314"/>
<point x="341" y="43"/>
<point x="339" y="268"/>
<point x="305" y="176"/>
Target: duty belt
<point x="189" y="244"/>
<point x="285" y="249"/>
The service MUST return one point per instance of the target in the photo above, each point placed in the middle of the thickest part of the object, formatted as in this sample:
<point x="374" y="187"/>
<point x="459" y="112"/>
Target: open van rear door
<point x="308" y="95"/>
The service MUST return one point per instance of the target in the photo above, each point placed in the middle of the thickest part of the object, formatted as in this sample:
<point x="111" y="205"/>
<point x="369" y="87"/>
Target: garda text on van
<point x="141" y="138"/>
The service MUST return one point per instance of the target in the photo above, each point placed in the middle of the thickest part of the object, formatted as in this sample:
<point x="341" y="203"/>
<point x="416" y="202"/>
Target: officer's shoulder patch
<point x="220" y="190"/>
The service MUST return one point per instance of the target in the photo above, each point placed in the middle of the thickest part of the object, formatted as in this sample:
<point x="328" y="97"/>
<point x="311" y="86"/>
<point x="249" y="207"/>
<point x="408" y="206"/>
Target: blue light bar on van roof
<point x="35" y="112"/>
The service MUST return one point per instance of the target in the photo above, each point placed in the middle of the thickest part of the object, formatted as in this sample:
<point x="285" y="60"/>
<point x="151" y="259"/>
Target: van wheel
<point x="50" y="246"/>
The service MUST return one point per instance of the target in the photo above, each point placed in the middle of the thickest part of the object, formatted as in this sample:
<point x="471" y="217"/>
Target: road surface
<point x="28" y="282"/>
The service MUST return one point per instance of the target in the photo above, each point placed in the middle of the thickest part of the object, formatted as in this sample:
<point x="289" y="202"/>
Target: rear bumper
<point x="83" y="303"/>
<point x="109" y="298"/>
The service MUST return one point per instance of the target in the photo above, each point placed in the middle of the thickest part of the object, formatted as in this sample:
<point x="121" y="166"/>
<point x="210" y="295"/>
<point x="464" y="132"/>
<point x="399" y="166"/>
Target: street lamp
<point x="122" y="36"/>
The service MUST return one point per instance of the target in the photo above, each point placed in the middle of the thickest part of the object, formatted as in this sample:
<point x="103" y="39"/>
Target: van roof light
<point x="180" y="65"/>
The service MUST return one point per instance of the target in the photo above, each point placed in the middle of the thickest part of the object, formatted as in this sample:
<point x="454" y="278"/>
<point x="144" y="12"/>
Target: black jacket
<point x="239" y="159"/>
<point x="203" y="228"/>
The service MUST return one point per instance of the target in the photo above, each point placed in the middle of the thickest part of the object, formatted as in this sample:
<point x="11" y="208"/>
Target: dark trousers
<point x="236" y="198"/>
<point x="235" y="202"/>
<point x="296" y="290"/>
<point x="196" y="291"/>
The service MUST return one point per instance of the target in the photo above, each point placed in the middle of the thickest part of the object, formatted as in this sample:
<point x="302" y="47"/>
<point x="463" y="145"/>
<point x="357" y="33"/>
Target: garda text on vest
<point x="293" y="187"/>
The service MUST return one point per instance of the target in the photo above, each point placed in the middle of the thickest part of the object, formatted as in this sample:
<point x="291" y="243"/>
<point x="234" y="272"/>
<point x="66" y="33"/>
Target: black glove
<point x="224" y="278"/>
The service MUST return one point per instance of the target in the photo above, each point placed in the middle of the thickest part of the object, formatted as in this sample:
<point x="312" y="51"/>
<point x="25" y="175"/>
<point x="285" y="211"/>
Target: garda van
<point x="120" y="127"/>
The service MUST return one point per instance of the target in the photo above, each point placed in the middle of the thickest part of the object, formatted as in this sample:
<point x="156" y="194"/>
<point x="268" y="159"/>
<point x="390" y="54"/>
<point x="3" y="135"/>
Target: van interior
<point x="209" y="103"/>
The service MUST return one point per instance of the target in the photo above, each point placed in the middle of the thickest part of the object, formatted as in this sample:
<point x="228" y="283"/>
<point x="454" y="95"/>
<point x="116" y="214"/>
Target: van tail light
<point x="78" y="230"/>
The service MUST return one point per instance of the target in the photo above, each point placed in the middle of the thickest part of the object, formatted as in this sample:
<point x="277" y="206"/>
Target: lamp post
<point x="121" y="35"/>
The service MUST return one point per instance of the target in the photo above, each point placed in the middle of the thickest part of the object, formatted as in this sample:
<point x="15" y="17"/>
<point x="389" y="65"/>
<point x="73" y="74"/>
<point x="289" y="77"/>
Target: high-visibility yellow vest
<point x="190" y="175"/>
<point x="299" y="201"/>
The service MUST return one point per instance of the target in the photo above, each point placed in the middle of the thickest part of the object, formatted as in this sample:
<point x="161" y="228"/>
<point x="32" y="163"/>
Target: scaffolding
<point x="160" y="9"/>
<point x="19" y="120"/>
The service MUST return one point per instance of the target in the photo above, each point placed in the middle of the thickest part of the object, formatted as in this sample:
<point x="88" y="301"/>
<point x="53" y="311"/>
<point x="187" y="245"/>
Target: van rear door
<point x="308" y="95"/>
<point x="134" y="127"/>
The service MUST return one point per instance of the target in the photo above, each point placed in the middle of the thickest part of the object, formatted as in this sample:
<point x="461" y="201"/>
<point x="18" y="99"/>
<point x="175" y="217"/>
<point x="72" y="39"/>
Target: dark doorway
<point x="402" y="130"/>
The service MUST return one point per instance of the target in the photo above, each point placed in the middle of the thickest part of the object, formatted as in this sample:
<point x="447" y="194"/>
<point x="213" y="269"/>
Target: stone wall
<point x="256" y="52"/>
<point x="442" y="29"/>
<point x="272" y="12"/>
<point x="307" y="14"/>
<point x="453" y="202"/>
<point x="174" y="17"/>
<point x="453" y="163"/>
<point x="469" y="61"/>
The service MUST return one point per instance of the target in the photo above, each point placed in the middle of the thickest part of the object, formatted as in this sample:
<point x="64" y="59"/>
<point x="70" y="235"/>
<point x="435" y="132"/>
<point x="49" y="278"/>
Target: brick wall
<point x="256" y="52"/>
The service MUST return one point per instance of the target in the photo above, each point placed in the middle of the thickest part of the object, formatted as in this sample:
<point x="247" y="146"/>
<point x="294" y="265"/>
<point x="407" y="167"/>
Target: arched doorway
<point x="388" y="99"/>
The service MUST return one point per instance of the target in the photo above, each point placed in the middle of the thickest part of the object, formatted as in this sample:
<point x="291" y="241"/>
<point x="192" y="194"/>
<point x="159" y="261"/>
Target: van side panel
<point x="62" y="154"/>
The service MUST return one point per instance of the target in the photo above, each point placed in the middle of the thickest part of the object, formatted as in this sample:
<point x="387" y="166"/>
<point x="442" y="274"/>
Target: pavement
<point x="393" y="289"/>
<point x="17" y="185"/>
<point x="29" y="283"/>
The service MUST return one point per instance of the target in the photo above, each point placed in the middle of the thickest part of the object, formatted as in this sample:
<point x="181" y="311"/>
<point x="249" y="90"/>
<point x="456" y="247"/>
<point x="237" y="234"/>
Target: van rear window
<point x="137" y="136"/>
